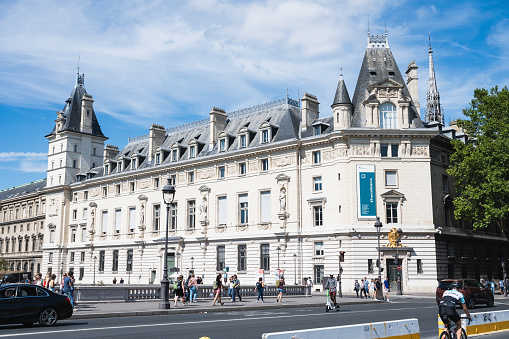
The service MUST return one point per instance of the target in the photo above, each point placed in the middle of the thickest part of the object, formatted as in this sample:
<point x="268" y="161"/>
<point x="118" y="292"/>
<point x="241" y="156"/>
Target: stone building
<point x="22" y="214"/>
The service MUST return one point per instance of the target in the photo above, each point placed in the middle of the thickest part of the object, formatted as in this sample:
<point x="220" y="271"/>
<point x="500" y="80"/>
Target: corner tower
<point x="76" y="141"/>
<point x="381" y="98"/>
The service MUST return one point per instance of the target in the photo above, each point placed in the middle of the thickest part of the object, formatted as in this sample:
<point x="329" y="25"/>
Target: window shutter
<point x="221" y="210"/>
<point x="265" y="206"/>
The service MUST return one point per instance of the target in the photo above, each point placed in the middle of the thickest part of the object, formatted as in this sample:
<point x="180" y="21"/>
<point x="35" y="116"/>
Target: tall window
<point x="191" y="213"/>
<point x="318" y="273"/>
<point x="241" y="255"/>
<point x="419" y="266"/>
<point x="129" y="262"/>
<point x="190" y="177"/>
<point x="156" y="217"/>
<point x="132" y="219"/>
<point x="317" y="216"/>
<point x="82" y="256"/>
<point x="265" y="257"/>
<point x="317" y="157"/>
<point x="243" y="209"/>
<point x="317" y="184"/>
<point x="220" y="258"/>
<point x="73" y="235"/>
<point x="83" y="234"/>
<point x="319" y="248"/>
<point x="104" y="220"/>
<point x="118" y="220"/>
<point x="243" y="140"/>
<point x="114" y="267"/>
<point x="242" y="168"/>
<point x="221" y="211"/>
<point x="52" y="236"/>
<point x="101" y="261"/>
<point x="265" y="136"/>
<point x="158" y="158"/>
<point x="85" y="213"/>
<point x="445" y="183"/>
<point x="391" y="210"/>
<point x="391" y="178"/>
<point x="173" y="215"/>
<point x="222" y="145"/>
<point x="82" y="273"/>
<point x="192" y="151"/>
<point x="174" y="155"/>
<point x="221" y="172"/>
<point x="388" y="116"/>
<point x="265" y="165"/>
<point x="265" y="207"/>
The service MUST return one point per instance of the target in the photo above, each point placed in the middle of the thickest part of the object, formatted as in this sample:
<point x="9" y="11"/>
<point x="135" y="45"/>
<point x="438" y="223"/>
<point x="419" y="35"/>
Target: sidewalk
<point x="145" y="308"/>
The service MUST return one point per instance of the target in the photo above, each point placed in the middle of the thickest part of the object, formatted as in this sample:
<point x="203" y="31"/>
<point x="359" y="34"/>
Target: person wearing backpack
<point x="236" y="288"/>
<point x="179" y="292"/>
<point x="260" y="286"/>
<point x="279" y="285"/>
<point x="217" y="286"/>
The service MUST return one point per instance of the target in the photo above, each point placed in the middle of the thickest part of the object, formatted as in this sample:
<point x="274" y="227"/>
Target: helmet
<point x="455" y="284"/>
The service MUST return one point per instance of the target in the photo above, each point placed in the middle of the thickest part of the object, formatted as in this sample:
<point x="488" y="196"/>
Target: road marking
<point x="60" y="330"/>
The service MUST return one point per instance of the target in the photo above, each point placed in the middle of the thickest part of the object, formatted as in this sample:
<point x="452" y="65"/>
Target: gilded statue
<point x="394" y="238"/>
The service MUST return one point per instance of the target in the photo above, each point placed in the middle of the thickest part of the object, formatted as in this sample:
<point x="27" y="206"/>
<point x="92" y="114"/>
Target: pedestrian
<point x="331" y="285"/>
<point x="38" y="279"/>
<point x="309" y="284"/>
<point x="68" y="290"/>
<point x="236" y="288"/>
<point x="279" y="285"/>
<point x="121" y="280"/>
<point x="186" y="288"/>
<point x="199" y="280"/>
<point x="114" y="280"/>
<point x="260" y="286"/>
<point x="378" y="289"/>
<point x="492" y="286"/>
<point x="372" y="288"/>
<point x="46" y="280"/>
<point x="357" y="287"/>
<point x="62" y="283"/>
<point x="51" y="283"/>
<point x="387" y="288"/>
<point x="230" y="287"/>
<point x="366" y="287"/>
<point x="217" y="286"/>
<point x="193" y="289"/>
<point x="179" y="292"/>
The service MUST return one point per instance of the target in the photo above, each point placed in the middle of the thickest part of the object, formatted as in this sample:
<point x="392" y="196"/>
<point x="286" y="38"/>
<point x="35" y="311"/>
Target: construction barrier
<point x="398" y="329"/>
<point x="485" y="322"/>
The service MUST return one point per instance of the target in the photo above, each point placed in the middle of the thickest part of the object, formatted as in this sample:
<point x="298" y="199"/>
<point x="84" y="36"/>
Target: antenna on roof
<point x="78" y="62"/>
<point x="368" y="24"/>
<point x="429" y="38"/>
<point x="386" y="27"/>
<point x="287" y="92"/>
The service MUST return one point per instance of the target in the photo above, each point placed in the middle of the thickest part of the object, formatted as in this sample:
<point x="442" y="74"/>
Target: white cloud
<point x="20" y="156"/>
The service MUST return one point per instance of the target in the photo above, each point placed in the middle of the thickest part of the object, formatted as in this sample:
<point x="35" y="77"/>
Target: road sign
<point x="399" y="268"/>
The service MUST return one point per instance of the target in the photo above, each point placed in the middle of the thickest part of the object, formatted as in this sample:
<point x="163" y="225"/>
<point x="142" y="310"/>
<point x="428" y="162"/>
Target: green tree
<point x="4" y="265"/>
<point x="480" y="166"/>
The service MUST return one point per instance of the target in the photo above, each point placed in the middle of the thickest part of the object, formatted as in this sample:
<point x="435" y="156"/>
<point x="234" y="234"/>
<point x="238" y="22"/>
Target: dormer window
<point x="158" y="158"/>
<point x="106" y="169"/>
<point x="192" y="152"/>
<point x="265" y="136"/>
<point x="317" y="130"/>
<point x="243" y="140"/>
<point x="266" y="132"/>
<point x="174" y="155"/>
<point x="222" y="145"/>
<point x="388" y="116"/>
<point x="119" y="166"/>
<point x="133" y="164"/>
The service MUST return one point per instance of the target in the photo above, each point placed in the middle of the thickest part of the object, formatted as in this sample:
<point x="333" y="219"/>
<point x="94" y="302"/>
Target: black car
<point x="26" y="304"/>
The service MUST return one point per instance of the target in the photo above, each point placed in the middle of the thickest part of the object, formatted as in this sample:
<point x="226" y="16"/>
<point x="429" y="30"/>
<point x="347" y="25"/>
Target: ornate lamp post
<point x="398" y="277"/>
<point x="192" y="264"/>
<point x="379" y="225"/>
<point x="62" y="268"/>
<point x="295" y="267"/>
<point x="95" y="258"/>
<point x="168" y="195"/>
<point x="129" y="262"/>
<point x="504" y="275"/>
<point x="278" y="250"/>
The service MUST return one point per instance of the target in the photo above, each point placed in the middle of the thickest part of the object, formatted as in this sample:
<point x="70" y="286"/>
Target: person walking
<point x="187" y="292"/>
<point x="68" y="288"/>
<point x="230" y="287"/>
<point x="121" y="280"/>
<point x="363" y="289"/>
<point x="179" y="292"/>
<point x="366" y="287"/>
<point x="51" y="283"/>
<point x="260" y="286"/>
<point x="378" y="289"/>
<point x="387" y="288"/>
<point x="193" y="289"/>
<point x="372" y="288"/>
<point x="38" y="279"/>
<point x="46" y="280"/>
<point x="236" y="287"/>
<point x="280" y="283"/>
<point x="62" y="283"/>
<point x="357" y="287"/>
<point x="309" y="284"/>
<point x="217" y="286"/>
<point x="114" y="280"/>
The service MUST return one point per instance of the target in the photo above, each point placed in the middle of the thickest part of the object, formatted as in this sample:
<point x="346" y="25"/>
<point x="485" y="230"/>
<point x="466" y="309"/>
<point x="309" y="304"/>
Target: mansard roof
<point x="23" y="189"/>
<point x="72" y="110"/>
<point x="377" y="66"/>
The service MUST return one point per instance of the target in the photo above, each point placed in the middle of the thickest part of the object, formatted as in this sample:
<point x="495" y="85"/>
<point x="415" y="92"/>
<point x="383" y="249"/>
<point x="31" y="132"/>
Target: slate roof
<point x="376" y="65"/>
<point x="341" y="96"/>
<point x="23" y="189"/>
<point x="72" y="110"/>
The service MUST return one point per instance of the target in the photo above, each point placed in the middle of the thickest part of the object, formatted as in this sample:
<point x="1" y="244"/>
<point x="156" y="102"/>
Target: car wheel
<point x="491" y="301"/>
<point x="48" y="317"/>
<point x="470" y="303"/>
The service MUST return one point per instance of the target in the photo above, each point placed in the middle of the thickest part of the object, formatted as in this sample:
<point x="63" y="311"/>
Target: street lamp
<point x="62" y="268"/>
<point x="504" y="275"/>
<point x="192" y="264"/>
<point x="398" y="277"/>
<point x="95" y="258"/>
<point x="129" y="262"/>
<point x="168" y="195"/>
<point x="278" y="250"/>
<point x="295" y="267"/>
<point x="379" y="225"/>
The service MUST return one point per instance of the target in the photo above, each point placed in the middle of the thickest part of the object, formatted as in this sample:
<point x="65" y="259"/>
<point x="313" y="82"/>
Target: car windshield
<point x="445" y="285"/>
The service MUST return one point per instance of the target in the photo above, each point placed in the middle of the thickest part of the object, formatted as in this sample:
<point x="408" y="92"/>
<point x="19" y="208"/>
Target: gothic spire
<point x="433" y="108"/>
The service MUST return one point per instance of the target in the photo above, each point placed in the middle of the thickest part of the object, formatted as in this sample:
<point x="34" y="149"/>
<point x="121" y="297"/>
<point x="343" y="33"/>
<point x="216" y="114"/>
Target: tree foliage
<point x="480" y="166"/>
<point x="4" y="265"/>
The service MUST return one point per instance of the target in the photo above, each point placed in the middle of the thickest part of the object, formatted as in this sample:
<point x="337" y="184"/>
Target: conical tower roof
<point x="341" y="96"/>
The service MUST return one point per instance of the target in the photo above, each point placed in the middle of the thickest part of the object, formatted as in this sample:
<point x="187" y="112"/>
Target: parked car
<point x="26" y="304"/>
<point x="474" y="292"/>
<point x="16" y="277"/>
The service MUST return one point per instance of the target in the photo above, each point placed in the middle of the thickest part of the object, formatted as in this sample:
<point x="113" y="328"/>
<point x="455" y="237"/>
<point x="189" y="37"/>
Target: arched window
<point x="388" y="117"/>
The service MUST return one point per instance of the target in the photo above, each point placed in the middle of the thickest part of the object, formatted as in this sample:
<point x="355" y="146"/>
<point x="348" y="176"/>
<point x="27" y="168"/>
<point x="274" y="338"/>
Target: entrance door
<point x="392" y="273"/>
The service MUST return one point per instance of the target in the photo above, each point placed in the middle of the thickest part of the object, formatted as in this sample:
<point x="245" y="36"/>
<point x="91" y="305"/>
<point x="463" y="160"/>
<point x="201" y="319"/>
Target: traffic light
<point x="342" y="256"/>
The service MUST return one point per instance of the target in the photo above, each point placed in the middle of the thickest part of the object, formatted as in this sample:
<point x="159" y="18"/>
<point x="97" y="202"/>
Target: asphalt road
<point x="243" y="324"/>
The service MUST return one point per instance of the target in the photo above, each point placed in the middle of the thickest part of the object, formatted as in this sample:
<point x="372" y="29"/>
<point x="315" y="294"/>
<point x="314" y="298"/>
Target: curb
<point x="207" y="310"/>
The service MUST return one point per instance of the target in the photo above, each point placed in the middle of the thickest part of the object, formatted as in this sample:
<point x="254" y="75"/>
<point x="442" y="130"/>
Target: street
<point x="246" y="324"/>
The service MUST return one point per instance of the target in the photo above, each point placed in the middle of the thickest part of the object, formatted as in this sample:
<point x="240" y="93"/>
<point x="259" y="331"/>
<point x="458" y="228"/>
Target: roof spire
<point x="80" y="79"/>
<point x="341" y="96"/>
<point x="434" y="111"/>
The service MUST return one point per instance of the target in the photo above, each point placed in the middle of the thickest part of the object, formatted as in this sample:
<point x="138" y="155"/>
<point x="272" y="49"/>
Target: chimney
<point x="310" y="110"/>
<point x="110" y="152"/>
<point x="156" y="138"/>
<point x="86" y="113"/>
<point x="412" y="84"/>
<point x="217" y="124"/>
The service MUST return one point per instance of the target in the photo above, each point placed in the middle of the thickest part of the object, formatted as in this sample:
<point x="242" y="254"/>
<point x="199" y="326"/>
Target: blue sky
<point x="170" y="62"/>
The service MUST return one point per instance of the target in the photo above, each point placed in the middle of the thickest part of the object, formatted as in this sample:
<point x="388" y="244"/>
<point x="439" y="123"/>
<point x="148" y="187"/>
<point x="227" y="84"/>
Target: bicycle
<point x="451" y="327"/>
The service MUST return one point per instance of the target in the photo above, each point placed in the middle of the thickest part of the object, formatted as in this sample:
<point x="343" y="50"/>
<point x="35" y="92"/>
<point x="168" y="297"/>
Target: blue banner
<point x="366" y="193"/>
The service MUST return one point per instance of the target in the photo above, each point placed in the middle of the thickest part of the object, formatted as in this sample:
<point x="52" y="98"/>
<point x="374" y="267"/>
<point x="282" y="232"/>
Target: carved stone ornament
<point x="242" y="228"/>
<point x="341" y="152"/>
<point x="436" y="155"/>
<point x="420" y="151"/>
<point x="281" y="162"/>
<point x="388" y="92"/>
<point x="361" y="150"/>
<point x="143" y="184"/>
<point x="53" y="206"/>
<point x="253" y="166"/>
<point x="264" y="226"/>
<point x="220" y="229"/>
<point x="190" y="231"/>
<point x="94" y="192"/>
<point x="206" y="174"/>
<point x="155" y="234"/>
